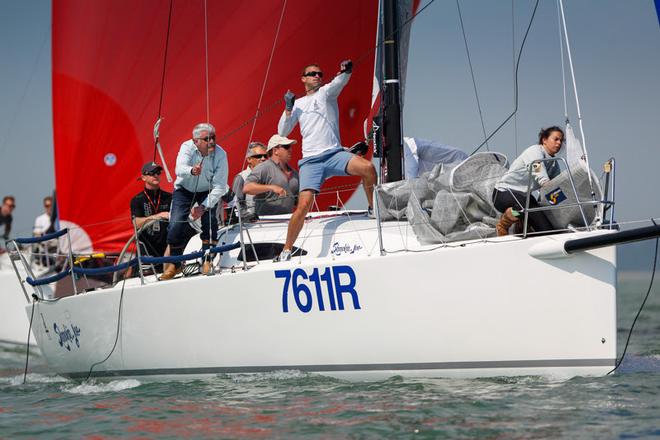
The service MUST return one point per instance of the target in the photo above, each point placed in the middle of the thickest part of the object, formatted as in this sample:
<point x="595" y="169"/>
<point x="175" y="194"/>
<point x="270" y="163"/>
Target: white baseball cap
<point x="276" y="140"/>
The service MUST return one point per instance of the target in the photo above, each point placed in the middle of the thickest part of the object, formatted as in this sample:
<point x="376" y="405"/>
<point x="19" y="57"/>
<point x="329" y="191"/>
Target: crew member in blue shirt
<point x="201" y="177"/>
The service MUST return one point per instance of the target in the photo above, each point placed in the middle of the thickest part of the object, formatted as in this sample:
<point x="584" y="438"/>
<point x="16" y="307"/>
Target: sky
<point x="616" y="53"/>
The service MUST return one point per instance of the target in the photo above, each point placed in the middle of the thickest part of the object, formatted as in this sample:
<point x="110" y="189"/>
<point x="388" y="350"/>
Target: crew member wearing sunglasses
<point x="201" y="178"/>
<point x="8" y="205"/>
<point x="256" y="154"/>
<point x="323" y="155"/>
<point x="151" y="209"/>
<point x="274" y="184"/>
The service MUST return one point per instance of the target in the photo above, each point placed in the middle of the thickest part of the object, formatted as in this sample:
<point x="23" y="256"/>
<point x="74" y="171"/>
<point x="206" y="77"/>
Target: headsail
<point x="107" y="70"/>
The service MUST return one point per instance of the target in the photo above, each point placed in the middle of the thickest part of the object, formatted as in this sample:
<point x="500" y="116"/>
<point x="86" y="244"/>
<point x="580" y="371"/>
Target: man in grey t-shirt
<point x="273" y="183"/>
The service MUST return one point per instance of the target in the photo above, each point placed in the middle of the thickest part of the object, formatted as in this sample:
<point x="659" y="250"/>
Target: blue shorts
<point x="315" y="169"/>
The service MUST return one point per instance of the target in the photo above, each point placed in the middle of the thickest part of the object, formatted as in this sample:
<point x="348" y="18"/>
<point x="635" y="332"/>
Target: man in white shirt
<point x="323" y="155"/>
<point x="201" y="177"/>
<point x="42" y="223"/>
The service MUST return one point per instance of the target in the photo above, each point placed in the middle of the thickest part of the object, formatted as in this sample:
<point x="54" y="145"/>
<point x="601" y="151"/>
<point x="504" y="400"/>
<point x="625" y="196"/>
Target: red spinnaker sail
<point x="107" y="70"/>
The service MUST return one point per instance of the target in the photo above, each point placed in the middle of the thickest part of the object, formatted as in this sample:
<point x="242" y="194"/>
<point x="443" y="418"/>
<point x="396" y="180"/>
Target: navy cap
<point x="150" y="167"/>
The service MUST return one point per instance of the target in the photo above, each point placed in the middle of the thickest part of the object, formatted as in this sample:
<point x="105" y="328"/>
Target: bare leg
<point x="359" y="166"/>
<point x="305" y="201"/>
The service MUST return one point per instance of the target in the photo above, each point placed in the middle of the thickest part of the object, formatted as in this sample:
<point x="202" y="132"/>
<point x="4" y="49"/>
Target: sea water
<point x="285" y="404"/>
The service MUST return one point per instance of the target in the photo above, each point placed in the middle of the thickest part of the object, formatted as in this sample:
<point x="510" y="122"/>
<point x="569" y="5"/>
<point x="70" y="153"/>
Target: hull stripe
<point x="354" y="367"/>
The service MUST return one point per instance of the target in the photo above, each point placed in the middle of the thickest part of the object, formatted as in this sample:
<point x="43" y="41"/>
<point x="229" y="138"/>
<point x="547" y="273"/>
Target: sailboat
<point x="362" y="297"/>
<point x="14" y="328"/>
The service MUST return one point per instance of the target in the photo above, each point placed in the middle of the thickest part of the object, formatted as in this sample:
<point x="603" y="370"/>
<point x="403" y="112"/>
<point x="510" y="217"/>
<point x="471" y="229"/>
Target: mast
<point x="392" y="126"/>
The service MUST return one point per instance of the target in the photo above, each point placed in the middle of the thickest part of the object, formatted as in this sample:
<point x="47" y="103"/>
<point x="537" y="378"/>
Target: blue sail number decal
<point x="318" y="289"/>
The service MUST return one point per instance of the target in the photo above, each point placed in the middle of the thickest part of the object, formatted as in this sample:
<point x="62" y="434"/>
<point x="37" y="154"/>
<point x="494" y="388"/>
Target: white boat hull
<point x="14" y="327"/>
<point x="485" y="309"/>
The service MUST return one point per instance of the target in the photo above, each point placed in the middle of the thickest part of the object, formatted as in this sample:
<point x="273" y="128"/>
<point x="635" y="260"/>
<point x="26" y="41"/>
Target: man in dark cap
<point x="151" y="209"/>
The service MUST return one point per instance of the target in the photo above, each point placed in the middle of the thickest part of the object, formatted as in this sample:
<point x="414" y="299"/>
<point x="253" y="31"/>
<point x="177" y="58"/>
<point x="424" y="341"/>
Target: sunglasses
<point x="208" y="138"/>
<point x="314" y="73"/>
<point x="11" y="206"/>
<point x="258" y="156"/>
<point x="154" y="173"/>
<point x="286" y="147"/>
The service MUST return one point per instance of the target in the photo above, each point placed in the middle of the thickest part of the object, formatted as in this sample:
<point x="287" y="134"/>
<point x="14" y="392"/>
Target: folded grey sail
<point x="450" y="203"/>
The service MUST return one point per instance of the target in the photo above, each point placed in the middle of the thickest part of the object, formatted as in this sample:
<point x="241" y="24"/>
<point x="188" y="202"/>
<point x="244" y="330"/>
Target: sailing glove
<point x="289" y="99"/>
<point x="346" y="66"/>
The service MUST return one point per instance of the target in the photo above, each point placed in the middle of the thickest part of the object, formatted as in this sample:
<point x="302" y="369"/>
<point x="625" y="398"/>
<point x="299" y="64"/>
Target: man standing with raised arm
<point x="201" y="177"/>
<point x="323" y="155"/>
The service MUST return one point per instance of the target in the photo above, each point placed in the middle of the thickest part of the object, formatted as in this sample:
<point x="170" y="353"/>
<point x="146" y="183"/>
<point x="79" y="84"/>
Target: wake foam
<point x="32" y="378"/>
<point x="278" y="375"/>
<point x="92" y="387"/>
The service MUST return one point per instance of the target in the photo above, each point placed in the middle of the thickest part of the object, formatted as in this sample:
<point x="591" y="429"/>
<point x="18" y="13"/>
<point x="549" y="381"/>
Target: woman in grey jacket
<point x="510" y="193"/>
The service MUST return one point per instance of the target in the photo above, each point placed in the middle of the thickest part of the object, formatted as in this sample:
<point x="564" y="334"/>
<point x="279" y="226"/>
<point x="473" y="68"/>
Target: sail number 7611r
<point x="338" y="280"/>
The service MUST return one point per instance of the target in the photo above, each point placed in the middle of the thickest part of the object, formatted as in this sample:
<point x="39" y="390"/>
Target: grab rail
<point x="73" y="270"/>
<point x="42" y="238"/>
<point x="548" y="208"/>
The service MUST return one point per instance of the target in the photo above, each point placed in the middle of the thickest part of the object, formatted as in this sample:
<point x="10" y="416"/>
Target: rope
<point x="19" y="107"/>
<point x="577" y="99"/>
<point x="359" y="60"/>
<point x="206" y="61"/>
<point x="121" y="301"/>
<point x="162" y="80"/>
<point x="646" y="297"/>
<point x="513" y="71"/>
<point x="563" y="69"/>
<point x="474" y="82"/>
<point x="27" y="351"/>
<point x="263" y="86"/>
<point x="515" y="88"/>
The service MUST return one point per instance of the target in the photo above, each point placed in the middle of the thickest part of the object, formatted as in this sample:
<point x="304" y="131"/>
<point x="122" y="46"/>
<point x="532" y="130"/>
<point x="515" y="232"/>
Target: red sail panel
<point x="107" y="69"/>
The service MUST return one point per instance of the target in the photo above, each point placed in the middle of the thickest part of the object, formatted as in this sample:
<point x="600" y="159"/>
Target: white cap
<point x="276" y="140"/>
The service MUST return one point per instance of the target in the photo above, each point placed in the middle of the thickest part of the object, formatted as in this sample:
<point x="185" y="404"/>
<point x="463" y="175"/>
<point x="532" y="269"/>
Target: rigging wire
<point x="206" y="61"/>
<point x="27" y="351"/>
<point x="515" y="88"/>
<point x="121" y="301"/>
<point x="474" y="83"/>
<point x="513" y="70"/>
<point x="35" y="298"/>
<point x="263" y="86"/>
<point x="577" y="100"/>
<point x="18" y="108"/>
<point x="641" y="307"/>
<point x="359" y="60"/>
<point x="563" y="69"/>
<point x="162" y="80"/>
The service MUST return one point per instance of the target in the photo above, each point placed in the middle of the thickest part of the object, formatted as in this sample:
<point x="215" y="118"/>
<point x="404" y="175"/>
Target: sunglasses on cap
<point x="258" y="156"/>
<point x="314" y="73"/>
